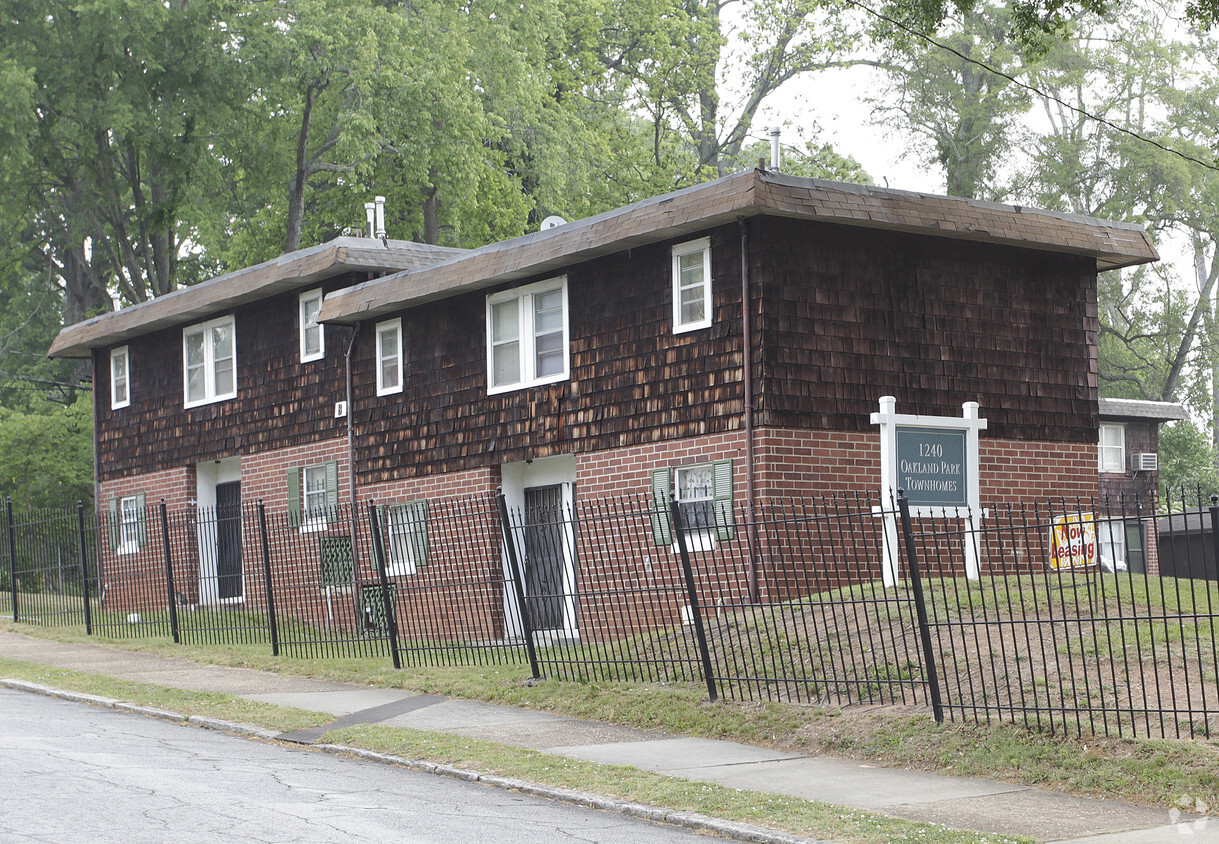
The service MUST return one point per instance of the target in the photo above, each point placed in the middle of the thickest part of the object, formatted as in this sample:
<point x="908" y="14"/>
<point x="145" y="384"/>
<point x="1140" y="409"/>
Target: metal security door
<point x="229" y="573"/>
<point x="544" y="557"/>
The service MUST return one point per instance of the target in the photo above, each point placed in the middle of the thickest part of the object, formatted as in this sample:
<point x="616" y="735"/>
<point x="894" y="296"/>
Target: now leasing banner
<point x="1073" y="542"/>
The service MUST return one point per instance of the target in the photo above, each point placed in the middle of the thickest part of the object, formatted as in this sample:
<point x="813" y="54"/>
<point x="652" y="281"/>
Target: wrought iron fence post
<point x="920" y="607"/>
<point x="700" y="634"/>
<point x="378" y="555"/>
<point x="84" y="566"/>
<point x="518" y="585"/>
<point x="169" y="577"/>
<point x="266" y="575"/>
<point x="12" y="553"/>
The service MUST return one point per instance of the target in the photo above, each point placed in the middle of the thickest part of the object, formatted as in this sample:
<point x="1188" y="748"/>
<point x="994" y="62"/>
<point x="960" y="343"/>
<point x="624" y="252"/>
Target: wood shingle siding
<point x="632" y="380"/>
<point x="851" y="315"/>
<point x="280" y="401"/>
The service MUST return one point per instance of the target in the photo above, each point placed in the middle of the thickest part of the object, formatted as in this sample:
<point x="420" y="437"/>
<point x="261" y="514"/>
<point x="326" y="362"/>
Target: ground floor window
<point x="313" y="495"/>
<point x="704" y="495"/>
<point x="406" y="538"/>
<point x="127" y="528"/>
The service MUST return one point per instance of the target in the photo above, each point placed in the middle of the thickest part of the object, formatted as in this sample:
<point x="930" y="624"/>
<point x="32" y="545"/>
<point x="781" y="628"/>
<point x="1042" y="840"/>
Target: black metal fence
<point x="1056" y="616"/>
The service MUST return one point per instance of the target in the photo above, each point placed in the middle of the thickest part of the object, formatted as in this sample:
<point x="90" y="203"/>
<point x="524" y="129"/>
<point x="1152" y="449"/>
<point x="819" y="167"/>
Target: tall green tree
<point x="115" y="103"/>
<point x="967" y="115"/>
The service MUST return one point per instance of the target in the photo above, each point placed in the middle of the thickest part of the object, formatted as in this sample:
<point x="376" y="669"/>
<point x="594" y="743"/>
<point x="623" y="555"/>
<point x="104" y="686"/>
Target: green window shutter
<point x="142" y="520"/>
<point x="724" y="519"/>
<point x="112" y="522"/>
<point x="416" y="514"/>
<point x="294" y="497"/>
<point x="332" y="489"/>
<point x="662" y="528"/>
<point x="380" y="559"/>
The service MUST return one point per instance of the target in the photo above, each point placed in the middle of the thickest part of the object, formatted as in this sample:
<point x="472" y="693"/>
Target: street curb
<point x="692" y="821"/>
<point x="689" y="820"/>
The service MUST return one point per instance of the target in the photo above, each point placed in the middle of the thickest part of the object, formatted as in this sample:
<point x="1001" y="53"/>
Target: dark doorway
<point x="228" y="540"/>
<point x="544" y="557"/>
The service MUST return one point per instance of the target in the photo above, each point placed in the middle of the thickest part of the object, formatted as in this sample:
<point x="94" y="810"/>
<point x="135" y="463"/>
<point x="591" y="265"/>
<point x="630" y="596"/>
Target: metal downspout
<point x="747" y="363"/>
<point x="351" y="447"/>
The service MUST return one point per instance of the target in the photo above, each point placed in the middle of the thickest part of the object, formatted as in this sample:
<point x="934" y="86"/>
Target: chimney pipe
<point x="380" y="200"/>
<point x="775" y="162"/>
<point x="368" y="214"/>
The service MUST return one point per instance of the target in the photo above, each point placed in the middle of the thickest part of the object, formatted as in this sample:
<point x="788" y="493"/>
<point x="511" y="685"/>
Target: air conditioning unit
<point x="340" y="411"/>
<point x="1149" y="462"/>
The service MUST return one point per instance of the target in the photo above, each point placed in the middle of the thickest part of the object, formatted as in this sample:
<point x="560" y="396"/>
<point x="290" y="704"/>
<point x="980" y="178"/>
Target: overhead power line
<point x="1030" y="88"/>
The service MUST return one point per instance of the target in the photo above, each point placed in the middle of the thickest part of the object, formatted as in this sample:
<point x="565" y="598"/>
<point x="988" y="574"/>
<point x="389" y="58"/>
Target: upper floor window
<point x="527" y="336"/>
<point x="120" y="378"/>
<point x="209" y="355"/>
<point x="389" y="357"/>
<point x="313" y="340"/>
<point x="1112" y="452"/>
<point x="692" y="285"/>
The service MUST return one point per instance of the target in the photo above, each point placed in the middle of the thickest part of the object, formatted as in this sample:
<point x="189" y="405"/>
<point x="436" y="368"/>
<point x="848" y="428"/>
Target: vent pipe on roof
<point x="380" y="201"/>
<point x="775" y="162"/>
<point x="369" y="212"/>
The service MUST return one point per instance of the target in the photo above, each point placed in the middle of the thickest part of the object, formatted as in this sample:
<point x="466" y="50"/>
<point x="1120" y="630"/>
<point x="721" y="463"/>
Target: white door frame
<point x="207" y="476"/>
<point x="514" y="479"/>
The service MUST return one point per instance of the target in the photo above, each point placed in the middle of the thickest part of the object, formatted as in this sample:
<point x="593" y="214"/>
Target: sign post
<point x="935" y="460"/>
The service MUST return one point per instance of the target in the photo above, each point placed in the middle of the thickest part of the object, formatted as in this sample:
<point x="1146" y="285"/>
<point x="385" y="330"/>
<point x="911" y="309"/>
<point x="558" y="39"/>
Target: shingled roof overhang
<point x="1136" y="409"/>
<point x="292" y="271"/>
<point x="1111" y="245"/>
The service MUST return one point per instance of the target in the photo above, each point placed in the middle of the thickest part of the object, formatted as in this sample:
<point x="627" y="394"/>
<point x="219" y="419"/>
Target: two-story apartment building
<point x="723" y="343"/>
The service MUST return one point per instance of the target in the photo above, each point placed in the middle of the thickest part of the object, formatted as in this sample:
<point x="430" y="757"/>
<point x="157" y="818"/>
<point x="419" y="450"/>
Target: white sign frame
<point x="972" y="513"/>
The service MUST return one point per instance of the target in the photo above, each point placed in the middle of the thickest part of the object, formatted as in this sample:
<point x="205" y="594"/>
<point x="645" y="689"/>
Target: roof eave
<point x="291" y="271"/>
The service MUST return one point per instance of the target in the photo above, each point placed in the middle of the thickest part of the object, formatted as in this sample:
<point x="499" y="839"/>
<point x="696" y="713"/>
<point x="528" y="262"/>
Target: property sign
<point x="935" y="459"/>
<point x="1073" y="542"/>
<point x="932" y="466"/>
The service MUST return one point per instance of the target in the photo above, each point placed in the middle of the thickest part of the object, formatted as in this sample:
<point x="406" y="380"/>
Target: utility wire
<point x="1030" y="88"/>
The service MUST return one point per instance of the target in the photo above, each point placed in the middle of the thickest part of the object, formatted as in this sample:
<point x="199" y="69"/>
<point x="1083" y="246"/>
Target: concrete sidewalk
<point x="963" y="803"/>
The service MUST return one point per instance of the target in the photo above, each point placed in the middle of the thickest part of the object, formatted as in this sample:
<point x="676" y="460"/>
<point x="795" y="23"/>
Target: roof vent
<point x="1146" y="462"/>
<point x="775" y="157"/>
<point x="369" y="217"/>
<point x="380" y="203"/>
<point x="553" y="221"/>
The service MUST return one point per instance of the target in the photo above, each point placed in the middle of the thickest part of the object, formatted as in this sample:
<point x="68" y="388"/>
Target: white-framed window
<point x="692" y="285"/>
<point x="209" y="361"/>
<point x="406" y="538"/>
<point x="120" y="377"/>
<point x="704" y="495"/>
<point x="313" y="495"/>
<point x="1112" y="450"/>
<point x="527" y="336"/>
<point x="389" y="357"/>
<point x="1111" y="545"/>
<point x="127" y="530"/>
<point x="313" y="338"/>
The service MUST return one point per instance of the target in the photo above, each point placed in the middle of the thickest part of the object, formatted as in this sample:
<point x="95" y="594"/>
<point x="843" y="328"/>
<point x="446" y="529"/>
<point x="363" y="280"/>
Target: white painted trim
<point x="526" y="348"/>
<point x="382" y="388"/>
<point x="121" y="351"/>
<point x="703" y="244"/>
<point x="309" y="295"/>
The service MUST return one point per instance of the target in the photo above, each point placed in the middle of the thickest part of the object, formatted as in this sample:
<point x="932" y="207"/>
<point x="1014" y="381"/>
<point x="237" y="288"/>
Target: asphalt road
<point x="71" y="772"/>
